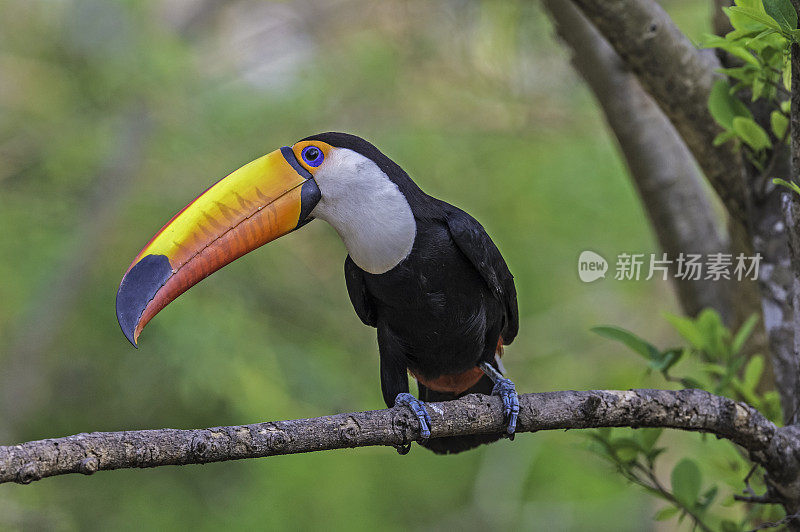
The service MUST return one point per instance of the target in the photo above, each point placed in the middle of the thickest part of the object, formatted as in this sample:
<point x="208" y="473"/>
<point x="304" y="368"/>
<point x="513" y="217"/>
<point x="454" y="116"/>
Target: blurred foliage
<point x="720" y="367"/>
<point x="113" y="114"/>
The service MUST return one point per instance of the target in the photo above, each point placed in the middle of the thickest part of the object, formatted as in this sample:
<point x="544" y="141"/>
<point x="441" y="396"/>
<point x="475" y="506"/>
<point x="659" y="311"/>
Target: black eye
<point x="312" y="155"/>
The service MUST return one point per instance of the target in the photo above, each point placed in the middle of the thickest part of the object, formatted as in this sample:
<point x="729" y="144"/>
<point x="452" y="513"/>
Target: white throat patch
<point x="366" y="208"/>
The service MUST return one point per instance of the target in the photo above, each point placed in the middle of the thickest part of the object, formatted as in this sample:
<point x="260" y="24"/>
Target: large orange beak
<point x="256" y="204"/>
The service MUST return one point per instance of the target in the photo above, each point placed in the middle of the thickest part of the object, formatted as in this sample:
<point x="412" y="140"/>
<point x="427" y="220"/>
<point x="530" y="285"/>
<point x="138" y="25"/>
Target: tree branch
<point x="692" y="410"/>
<point x="679" y="78"/>
<point x="662" y="168"/>
<point x="791" y="203"/>
<point x="777" y="237"/>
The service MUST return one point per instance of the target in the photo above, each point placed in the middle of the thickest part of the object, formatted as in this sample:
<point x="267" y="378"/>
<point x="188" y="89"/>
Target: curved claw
<point x="508" y="392"/>
<point x="418" y="409"/>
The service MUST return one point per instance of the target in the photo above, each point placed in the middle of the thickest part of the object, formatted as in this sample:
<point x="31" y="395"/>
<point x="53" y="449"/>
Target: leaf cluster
<point x="713" y="359"/>
<point x="763" y="31"/>
<point x="635" y="458"/>
<point x="721" y="365"/>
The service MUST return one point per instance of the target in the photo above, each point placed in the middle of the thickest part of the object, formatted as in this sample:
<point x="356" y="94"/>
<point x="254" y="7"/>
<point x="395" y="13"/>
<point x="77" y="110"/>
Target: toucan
<point x="422" y="272"/>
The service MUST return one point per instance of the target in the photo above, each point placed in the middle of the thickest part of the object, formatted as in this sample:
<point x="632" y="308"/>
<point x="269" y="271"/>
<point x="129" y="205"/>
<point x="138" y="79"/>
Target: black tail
<point x="457" y="444"/>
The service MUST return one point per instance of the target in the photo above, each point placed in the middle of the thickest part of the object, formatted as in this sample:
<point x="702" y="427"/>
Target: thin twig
<point x="763" y="178"/>
<point x="775" y="524"/>
<point x="671" y="497"/>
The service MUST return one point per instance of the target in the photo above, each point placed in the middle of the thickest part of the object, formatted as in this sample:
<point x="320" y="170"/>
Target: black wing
<point x="361" y="300"/>
<point x="475" y="244"/>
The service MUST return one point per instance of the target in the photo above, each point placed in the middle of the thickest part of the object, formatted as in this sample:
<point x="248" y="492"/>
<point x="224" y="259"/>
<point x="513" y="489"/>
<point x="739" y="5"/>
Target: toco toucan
<point x="422" y="272"/>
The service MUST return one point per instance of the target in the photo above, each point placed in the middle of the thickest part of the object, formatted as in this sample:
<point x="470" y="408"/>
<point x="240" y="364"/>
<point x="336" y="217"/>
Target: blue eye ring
<point x="312" y="156"/>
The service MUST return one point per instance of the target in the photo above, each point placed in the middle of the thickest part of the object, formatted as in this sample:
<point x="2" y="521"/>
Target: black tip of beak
<point x="137" y="289"/>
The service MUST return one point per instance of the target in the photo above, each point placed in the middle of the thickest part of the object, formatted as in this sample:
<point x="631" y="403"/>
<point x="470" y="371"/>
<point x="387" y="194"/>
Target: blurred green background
<point x="114" y="114"/>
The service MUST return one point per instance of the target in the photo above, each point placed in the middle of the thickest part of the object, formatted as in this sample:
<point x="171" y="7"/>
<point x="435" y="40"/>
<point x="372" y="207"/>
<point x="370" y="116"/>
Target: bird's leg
<point x="394" y="385"/>
<point x="417" y="407"/>
<point x="508" y="392"/>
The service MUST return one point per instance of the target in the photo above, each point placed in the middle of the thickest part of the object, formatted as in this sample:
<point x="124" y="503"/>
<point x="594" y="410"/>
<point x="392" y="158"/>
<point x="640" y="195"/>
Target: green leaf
<point x="743" y="393"/>
<point x="724" y="137"/>
<point x="691" y="382"/>
<point x="791" y="185"/>
<point x="709" y="323"/>
<point x="648" y="438"/>
<point x="625" y="449"/>
<point x="750" y="4"/>
<point x="739" y="18"/>
<point x="744" y="73"/>
<point x="602" y="447"/>
<point x="744" y="333"/>
<point x="656" y="452"/>
<point x="714" y="369"/>
<point x="708" y="497"/>
<point x="733" y="47"/>
<point x="686" y="481"/>
<point x="729" y="500"/>
<point x="666" y="513"/>
<point x="772" y="52"/>
<point x="643" y="347"/>
<point x="686" y="328"/>
<point x="710" y="40"/>
<point x="604" y="432"/>
<point x="759" y="86"/>
<point x="726" y="525"/>
<point x="771" y="406"/>
<point x="783" y="12"/>
<point x="779" y="123"/>
<point x="753" y="371"/>
<point x="626" y="455"/>
<point x="724" y="107"/>
<point x="761" y="36"/>
<point x="744" y="54"/>
<point x="667" y="359"/>
<point x="751" y="133"/>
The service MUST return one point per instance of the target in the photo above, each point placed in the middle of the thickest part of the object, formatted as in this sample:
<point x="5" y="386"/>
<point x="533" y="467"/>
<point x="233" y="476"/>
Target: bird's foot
<point x="508" y="392"/>
<point x="417" y="407"/>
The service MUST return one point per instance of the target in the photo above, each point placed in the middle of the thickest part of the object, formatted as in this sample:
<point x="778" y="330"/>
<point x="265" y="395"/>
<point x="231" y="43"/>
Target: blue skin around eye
<point x="316" y="161"/>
